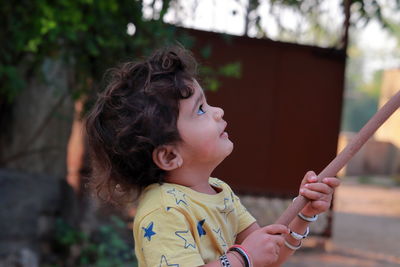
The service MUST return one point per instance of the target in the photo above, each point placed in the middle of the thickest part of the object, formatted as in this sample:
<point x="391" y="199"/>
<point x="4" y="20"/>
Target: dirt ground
<point x="366" y="228"/>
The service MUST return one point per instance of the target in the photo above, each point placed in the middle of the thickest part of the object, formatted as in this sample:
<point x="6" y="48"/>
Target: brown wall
<point x="375" y="158"/>
<point x="283" y="114"/>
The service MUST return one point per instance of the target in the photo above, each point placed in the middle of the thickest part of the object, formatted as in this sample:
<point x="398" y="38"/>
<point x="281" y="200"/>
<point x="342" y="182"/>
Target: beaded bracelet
<point x="242" y="251"/>
<point x="224" y="261"/>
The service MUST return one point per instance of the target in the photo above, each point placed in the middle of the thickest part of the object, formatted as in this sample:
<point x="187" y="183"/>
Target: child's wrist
<point x="235" y="257"/>
<point x="293" y="245"/>
<point x="293" y="241"/>
<point x="243" y="253"/>
<point x="307" y="217"/>
<point x="308" y="213"/>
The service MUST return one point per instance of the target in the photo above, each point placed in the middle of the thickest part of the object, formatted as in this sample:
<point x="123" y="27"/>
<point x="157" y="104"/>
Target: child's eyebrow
<point x="198" y="100"/>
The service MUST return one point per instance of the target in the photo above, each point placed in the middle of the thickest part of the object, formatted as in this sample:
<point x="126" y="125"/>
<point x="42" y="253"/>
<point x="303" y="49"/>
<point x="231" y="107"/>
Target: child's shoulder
<point x="160" y="202"/>
<point x="159" y="197"/>
<point x="219" y="183"/>
<point x="152" y="198"/>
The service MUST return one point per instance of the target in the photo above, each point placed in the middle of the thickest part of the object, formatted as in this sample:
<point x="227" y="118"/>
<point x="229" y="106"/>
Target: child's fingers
<point x="319" y="187"/>
<point x="310" y="194"/>
<point x="309" y="177"/>
<point x="312" y="178"/>
<point x="279" y="240"/>
<point x="275" y="229"/>
<point x="320" y="205"/>
<point x="331" y="181"/>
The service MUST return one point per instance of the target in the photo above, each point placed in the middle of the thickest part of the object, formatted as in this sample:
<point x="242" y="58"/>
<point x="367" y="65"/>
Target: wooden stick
<point x="345" y="155"/>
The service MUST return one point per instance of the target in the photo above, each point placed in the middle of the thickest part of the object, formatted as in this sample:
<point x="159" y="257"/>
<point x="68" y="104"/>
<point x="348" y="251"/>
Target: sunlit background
<point x="53" y="57"/>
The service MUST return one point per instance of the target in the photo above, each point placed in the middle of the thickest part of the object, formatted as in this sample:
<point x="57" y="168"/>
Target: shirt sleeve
<point x="166" y="239"/>
<point x="245" y="219"/>
<point x="244" y="216"/>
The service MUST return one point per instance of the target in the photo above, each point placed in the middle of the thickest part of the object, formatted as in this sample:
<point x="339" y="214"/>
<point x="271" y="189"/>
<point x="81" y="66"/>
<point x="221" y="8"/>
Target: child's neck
<point x="195" y="180"/>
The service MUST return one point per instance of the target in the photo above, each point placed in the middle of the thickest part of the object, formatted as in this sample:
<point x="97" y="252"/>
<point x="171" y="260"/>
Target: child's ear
<point x="167" y="157"/>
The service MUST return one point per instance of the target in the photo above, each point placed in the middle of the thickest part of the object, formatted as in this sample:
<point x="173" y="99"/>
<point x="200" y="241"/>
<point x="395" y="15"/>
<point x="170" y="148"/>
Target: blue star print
<point x="200" y="228"/>
<point x="180" y="197"/>
<point x="164" y="262"/>
<point x="185" y="235"/>
<point x="148" y="231"/>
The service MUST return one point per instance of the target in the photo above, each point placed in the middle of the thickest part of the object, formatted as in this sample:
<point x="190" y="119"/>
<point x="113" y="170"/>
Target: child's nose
<point x="219" y="113"/>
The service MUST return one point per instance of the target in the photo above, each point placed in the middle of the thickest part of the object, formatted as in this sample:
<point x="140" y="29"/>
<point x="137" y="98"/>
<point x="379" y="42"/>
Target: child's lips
<point x="224" y="133"/>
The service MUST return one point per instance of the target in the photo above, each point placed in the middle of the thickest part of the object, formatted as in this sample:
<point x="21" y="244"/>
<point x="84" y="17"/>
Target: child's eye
<point x="200" y="111"/>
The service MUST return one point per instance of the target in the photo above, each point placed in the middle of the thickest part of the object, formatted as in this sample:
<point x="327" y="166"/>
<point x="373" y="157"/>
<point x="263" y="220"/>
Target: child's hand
<point x="319" y="194"/>
<point x="264" y="244"/>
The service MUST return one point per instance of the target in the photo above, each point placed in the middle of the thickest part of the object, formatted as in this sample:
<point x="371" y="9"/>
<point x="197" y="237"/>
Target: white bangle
<point x="299" y="236"/>
<point x="287" y="244"/>
<point x="308" y="219"/>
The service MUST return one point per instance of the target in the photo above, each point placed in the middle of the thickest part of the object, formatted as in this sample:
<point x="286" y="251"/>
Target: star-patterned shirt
<point x="177" y="226"/>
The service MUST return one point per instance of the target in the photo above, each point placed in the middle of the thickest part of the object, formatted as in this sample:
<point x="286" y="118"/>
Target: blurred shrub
<point x="90" y="35"/>
<point x="103" y="248"/>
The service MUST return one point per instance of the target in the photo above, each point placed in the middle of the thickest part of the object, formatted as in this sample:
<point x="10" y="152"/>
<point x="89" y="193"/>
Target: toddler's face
<point x="202" y="130"/>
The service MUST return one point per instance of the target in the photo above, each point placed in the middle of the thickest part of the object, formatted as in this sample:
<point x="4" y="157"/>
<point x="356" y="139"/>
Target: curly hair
<point x="136" y="113"/>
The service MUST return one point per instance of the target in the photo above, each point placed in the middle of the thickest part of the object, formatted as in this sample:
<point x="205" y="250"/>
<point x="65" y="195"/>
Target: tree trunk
<point x="35" y="139"/>
<point x="346" y="24"/>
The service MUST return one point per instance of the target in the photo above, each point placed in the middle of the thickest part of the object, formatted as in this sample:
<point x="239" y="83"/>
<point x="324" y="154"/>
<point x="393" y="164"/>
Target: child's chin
<point x="230" y="149"/>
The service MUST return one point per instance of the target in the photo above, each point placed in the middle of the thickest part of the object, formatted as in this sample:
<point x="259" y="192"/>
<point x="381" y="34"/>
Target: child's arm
<point x="263" y="245"/>
<point x="320" y="195"/>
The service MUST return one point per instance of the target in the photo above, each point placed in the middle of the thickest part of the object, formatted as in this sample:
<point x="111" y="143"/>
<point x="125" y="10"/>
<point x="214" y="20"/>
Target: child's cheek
<point x="205" y="146"/>
<point x="208" y="149"/>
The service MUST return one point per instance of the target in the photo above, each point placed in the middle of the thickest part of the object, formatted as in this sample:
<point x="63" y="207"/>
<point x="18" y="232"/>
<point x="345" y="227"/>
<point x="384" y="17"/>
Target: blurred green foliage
<point x="103" y="248"/>
<point x="362" y="93"/>
<point x="313" y="28"/>
<point x="211" y="75"/>
<point x="90" y="36"/>
<point x="357" y="112"/>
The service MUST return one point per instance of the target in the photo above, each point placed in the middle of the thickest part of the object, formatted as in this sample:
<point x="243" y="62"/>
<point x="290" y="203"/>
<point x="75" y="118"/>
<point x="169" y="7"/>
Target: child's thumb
<point x="275" y="229"/>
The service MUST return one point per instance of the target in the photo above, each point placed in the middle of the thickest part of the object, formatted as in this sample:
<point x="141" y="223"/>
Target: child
<point x="153" y="131"/>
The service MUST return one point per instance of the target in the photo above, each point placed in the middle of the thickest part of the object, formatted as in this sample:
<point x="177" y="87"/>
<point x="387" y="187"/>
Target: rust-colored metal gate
<point x="283" y="114"/>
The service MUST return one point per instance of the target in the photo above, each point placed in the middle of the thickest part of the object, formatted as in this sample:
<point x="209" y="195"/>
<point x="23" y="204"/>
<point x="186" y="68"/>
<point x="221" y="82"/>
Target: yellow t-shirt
<point x="177" y="226"/>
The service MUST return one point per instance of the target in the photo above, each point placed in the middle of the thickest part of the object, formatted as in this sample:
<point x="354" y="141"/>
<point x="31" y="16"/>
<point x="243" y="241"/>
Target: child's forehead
<point x="197" y="89"/>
